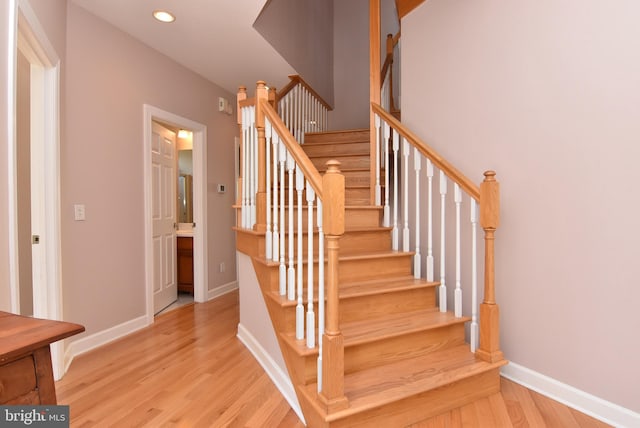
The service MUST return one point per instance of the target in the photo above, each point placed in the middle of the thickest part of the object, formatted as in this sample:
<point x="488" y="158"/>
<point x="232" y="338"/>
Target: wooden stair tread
<point x="361" y="255"/>
<point x="359" y="332"/>
<point x="378" y="386"/>
<point x="344" y="257"/>
<point x="363" y="288"/>
<point x="379" y="286"/>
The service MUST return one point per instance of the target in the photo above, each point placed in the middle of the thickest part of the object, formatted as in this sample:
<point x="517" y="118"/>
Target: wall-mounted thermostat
<point x="222" y="188"/>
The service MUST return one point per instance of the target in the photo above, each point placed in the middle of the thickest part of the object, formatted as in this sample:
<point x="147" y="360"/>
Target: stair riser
<point x="378" y="305"/>
<point x="346" y="162"/>
<point x="336" y="137"/>
<point x="375" y="240"/>
<point x="328" y="150"/>
<point x="385" y="267"/>
<point x="415" y="408"/>
<point x="352" y="196"/>
<point x="367" y="307"/>
<point x="393" y="349"/>
<point x="355" y="217"/>
<point x="349" y="270"/>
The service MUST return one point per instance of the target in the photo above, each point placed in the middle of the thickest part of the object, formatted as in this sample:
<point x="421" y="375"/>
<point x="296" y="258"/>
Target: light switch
<point x="78" y="212"/>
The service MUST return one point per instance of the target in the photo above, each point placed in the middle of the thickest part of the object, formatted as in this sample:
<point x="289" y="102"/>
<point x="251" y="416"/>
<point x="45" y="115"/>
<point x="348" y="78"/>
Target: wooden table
<point x="26" y="374"/>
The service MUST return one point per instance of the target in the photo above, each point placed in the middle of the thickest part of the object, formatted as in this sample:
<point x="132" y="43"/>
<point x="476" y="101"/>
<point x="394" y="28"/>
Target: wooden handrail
<point x="247" y="102"/>
<point x="295" y="80"/>
<point x="452" y="172"/>
<point x="301" y="158"/>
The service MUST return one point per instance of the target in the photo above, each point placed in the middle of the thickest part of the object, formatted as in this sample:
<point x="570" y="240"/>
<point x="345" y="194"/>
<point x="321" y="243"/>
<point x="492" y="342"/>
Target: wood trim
<point x="301" y="158"/>
<point x="452" y="172"/>
<point x="297" y="79"/>
<point x="405" y="7"/>
<point x="392" y="42"/>
<point x="247" y="102"/>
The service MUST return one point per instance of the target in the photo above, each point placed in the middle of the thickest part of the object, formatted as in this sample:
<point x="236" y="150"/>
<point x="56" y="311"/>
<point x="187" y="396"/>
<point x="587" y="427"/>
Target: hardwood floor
<point x="189" y="370"/>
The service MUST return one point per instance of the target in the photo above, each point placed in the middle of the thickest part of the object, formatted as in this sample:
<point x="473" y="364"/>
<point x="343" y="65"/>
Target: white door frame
<point x="200" y="273"/>
<point x="27" y="34"/>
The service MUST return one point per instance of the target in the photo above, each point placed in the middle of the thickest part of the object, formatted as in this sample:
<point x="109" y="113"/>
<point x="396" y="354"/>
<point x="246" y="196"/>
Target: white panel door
<point x="163" y="167"/>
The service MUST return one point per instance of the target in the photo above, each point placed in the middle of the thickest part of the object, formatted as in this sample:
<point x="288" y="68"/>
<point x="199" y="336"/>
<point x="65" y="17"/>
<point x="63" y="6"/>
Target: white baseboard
<point x="279" y="378"/>
<point x="221" y="289"/>
<point x="591" y="405"/>
<point x="87" y="343"/>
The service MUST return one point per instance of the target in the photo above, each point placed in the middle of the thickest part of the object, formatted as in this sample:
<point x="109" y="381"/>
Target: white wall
<point x="302" y="33"/>
<point x="350" y="65"/>
<point x="5" y="140"/>
<point x="110" y="76"/>
<point x="547" y="93"/>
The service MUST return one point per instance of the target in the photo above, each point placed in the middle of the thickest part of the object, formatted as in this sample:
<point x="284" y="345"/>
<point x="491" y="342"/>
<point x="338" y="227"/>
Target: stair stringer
<point x="294" y="365"/>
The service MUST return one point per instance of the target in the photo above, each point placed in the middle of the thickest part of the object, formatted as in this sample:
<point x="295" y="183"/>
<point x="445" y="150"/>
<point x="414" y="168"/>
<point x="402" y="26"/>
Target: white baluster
<point x="243" y="191"/>
<point x="276" y="235"/>
<point x="268" y="237"/>
<point x="299" y="307"/>
<point x="443" y="285"/>
<point x="291" y="272"/>
<point x="405" y="197"/>
<point x="378" y="194"/>
<point x="253" y="166"/>
<point x="430" y="261"/>
<point x="283" y="270"/>
<point x="311" y="324"/>
<point x="394" y="231"/>
<point x="458" y="291"/>
<point x="474" y="276"/>
<point x="320" y="291"/>
<point x="385" y="152"/>
<point x="305" y="113"/>
<point x="298" y="110"/>
<point x="417" y="165"/>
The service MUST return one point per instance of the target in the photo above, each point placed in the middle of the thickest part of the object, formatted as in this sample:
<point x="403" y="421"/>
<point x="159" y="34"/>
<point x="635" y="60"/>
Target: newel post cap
<point x="333" y="199"/>
<point x="490" y="201"/>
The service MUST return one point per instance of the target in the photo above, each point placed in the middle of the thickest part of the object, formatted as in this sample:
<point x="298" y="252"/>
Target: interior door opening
<point x="189" y="212"/>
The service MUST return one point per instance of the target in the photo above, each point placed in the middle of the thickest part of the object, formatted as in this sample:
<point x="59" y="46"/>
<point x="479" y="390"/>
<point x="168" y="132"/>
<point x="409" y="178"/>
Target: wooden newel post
<point x="272" y="98"/>
<point x="242" y="95"/>
<point x="333" y="342"/>
<point x="261" y="194"/>
<point x="489" y="312"/>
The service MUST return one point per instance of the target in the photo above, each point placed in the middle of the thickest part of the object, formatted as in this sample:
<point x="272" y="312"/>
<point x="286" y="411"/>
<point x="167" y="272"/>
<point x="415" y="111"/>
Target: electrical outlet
<point x="222" y="267"/>
<point x="79" y="212"/>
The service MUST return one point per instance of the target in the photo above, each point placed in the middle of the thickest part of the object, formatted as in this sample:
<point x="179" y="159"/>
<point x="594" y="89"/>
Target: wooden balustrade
<point x="388" y="128"/>
<point x="272" y="162"/>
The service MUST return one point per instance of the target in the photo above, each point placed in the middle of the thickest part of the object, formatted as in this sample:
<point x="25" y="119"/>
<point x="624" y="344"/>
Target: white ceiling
<point x="214" y="38"/>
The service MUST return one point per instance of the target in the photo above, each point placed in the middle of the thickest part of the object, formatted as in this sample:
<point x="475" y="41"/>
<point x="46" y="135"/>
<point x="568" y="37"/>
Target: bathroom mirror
<point x="185" y="186"/>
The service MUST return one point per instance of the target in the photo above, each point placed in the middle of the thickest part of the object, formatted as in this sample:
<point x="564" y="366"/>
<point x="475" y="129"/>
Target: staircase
<point x="404" y="359"/>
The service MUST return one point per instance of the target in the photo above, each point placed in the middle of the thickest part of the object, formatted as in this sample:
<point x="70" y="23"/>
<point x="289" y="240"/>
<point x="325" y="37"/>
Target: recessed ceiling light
<point x="163" y="16"/>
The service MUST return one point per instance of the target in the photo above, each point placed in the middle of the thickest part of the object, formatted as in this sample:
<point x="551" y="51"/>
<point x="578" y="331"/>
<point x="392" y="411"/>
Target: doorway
<point x="199" y="217"/>
<point x="34" y="153"/>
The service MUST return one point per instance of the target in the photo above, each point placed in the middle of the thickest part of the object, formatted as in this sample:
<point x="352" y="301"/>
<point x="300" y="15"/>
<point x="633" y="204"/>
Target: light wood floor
<point x="190" y="370"/>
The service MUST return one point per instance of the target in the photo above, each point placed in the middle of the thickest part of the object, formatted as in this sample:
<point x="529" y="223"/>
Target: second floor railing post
<point x="261" y="194"/>
<point x="374" y="84"/>
<point x="241" y="96"/>
<point x="333" y="342"/>
<point x="489" y="311"/>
